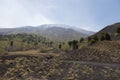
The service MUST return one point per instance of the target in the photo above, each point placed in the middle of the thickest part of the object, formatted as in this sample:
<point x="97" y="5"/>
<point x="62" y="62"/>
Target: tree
<point x="102" y="37"/>
<point x="11" y="43"/>
<point x="92" y="41"/>
<point x="81" y="40"/>
<point x="105" y="36"/>
<point x="118" y="31"/>
<point x="60" y="46"/>
<point x="95" y="38"/>
<point x="89" y="39"/>
<point x="75" y="44"/>
<point x="70" y="43"/>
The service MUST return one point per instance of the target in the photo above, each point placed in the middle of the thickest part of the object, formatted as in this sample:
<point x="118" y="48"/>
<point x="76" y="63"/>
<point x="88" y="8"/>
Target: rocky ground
<point x="49" y="67"/>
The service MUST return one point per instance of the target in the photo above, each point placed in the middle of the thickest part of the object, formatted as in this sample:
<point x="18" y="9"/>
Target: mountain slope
<point x="67" y="26"/>
<point x="54" y="32"/>
<point x="101" y="51"/>
<point x="111" y="29"/>
<point x="104" y="52"/>
<point x="62" y="34"/>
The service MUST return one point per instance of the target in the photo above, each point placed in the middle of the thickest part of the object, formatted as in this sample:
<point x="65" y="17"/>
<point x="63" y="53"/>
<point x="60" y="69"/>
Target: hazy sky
<point x="86" y="14"/>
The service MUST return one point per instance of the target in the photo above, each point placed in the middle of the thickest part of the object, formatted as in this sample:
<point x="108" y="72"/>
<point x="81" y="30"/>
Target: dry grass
<point x="25" y="52"/>
<point x="52" y="68"/>
<point x="32" y="52"/>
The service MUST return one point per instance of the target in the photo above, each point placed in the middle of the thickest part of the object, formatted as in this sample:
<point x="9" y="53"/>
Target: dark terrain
<point x="21" y="67"/>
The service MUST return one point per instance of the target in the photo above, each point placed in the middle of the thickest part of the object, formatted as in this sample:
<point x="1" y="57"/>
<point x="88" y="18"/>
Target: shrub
<point x="60" y="46"/>
<point x="89" y="39"/>
<point x="42" y="49"/>
<point x="81" y="40"/>
<point x="92" y="41"/>
<point x="105" y="36"/>
<point x="65" y="47"/>
<point x="118" y="32"/>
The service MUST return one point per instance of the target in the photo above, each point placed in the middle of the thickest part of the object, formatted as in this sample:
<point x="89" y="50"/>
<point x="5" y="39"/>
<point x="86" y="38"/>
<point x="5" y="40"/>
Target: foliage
<point x="81" y="40"/>
<point x="105" y="36"/>
<point x="60" y="46"/>
<point x="73" y="44"/>
<point x="22" y="42"/>
<point x="93" y="39"/>
<point x="89" y="38"/>
<point x="65" y="47"/>
<point x="11" y="43"/>
<point x="118" y="32"/>
<point x="102" y="51"/>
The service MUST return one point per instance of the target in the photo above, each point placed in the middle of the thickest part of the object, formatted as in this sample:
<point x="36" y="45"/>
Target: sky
<point x="91" y="15"/>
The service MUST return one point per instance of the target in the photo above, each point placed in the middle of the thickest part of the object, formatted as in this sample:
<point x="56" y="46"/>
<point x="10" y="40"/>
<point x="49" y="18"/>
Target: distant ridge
<point x="111" y="29"/>
<point x="52" y="31"/>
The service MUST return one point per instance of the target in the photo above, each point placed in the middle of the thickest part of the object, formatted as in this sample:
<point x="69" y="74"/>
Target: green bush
<point x="81" y="40"/>
<point x="92" y="41"/>
<point x="105" y="36"/>
<point x="65" y="47"/>
<point x="73" y="44"/>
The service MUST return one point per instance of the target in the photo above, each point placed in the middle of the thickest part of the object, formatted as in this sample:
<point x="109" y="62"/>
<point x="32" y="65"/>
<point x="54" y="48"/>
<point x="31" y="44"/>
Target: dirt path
<point x="95" y="63"/>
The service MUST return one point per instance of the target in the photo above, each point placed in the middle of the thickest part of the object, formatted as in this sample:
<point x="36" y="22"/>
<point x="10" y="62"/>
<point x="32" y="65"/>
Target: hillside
<point x="67" y="27"/>
<point x="21" y="42"/>
<point x="53" y="32"/>
<point x="104" y="52"/>
<point x="111" y="29"/>
<point x="62" y="34"/>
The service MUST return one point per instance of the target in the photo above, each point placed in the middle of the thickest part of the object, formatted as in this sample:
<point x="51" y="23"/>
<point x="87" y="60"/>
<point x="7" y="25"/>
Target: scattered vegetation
<point x="52" y="60"/>
<point x="23" y="42"/>
<point x="105" y="36"/>
<point x="73" y="44"/>
<point x="105" y="52"/>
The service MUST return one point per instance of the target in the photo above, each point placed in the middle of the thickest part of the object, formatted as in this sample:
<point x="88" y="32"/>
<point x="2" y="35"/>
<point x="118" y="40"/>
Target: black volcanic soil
<point x="25" y="67"/>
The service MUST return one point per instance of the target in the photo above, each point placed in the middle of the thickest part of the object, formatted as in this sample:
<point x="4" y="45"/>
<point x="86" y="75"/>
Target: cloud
<point x="15" y="13"/>
<point x="86" y="14"/>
